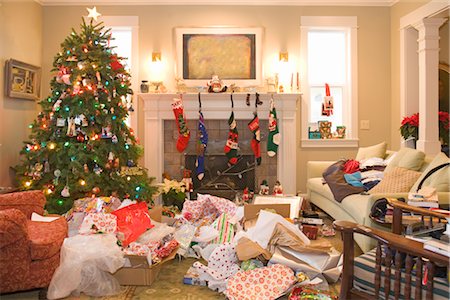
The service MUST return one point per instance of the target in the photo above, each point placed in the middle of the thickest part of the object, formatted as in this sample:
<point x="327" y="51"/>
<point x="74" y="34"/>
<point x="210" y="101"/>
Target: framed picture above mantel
<point x="233" y="54"/>
<point x="22" y="80"/>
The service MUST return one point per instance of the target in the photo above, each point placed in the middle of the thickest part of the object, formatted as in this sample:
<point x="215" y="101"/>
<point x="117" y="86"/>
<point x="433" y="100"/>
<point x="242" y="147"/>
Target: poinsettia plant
<point x="410" y="127"/>
<point x="173" y="192"/>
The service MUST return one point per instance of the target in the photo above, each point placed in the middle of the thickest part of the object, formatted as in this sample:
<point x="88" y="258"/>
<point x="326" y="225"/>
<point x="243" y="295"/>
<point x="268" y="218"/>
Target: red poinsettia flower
<point x="410" y="127"/>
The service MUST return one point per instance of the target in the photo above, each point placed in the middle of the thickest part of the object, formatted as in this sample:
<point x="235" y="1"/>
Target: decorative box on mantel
<point x="157" y="108"/>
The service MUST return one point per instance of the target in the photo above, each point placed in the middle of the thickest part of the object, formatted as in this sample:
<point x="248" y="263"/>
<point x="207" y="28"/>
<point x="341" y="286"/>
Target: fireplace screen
<point x="223" y="180"/>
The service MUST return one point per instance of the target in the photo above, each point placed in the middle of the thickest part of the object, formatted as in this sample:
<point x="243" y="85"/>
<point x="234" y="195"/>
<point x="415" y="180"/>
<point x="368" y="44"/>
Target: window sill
<point x="331" y="143"/>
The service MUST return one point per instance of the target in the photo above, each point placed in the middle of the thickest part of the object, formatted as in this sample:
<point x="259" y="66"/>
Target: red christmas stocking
<point x="185" y="134"/>
<point x="256" y="147"/>
<point x="231" y="147"/>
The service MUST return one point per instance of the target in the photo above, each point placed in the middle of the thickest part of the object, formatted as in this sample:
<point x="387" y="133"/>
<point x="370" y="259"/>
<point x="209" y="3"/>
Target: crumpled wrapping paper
<point x="264" y="283"/>
<point x="207" y="205"/>
<point x="98" y="223"/>
<point x="184" y="236"/>
<point x="311" y="263"/>
<point x="222" y="264"/>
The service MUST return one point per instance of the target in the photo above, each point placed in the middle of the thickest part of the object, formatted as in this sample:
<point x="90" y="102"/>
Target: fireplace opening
<point x="221" y="179"/>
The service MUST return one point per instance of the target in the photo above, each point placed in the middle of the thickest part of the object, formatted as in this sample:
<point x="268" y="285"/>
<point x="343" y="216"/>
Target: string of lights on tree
<point x="80" y="144"/>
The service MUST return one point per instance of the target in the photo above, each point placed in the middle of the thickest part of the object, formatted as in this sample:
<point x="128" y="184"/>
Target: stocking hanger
<point x="199" y="103"/>
<point x="232" y="102"/>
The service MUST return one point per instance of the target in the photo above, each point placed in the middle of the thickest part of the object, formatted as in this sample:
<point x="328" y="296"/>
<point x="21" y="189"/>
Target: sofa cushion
<point x="46" y="237"/>
<point x="378" y="150"/>
<point x="358" y="206"/>
<point x="407" y="158"/>
<point x="440" y="179"/>
<point x="398" y="180"/>
<point x="316" y="185"/>
<point x="27" y="202"/>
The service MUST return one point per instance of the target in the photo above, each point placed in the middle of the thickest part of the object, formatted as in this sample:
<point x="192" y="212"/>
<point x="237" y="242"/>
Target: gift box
<point x="325" y="129"/>
<point x="310" y="231"/>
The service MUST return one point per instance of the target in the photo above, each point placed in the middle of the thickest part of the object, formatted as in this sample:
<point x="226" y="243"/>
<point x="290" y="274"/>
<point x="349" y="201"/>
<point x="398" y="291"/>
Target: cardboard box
<point x="140" y="273"/>
<point x="251" y="212"/>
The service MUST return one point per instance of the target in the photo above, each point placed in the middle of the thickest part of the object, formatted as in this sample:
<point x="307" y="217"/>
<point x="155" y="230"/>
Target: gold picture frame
<point x="233" y="54"/>
<point x="22" y="80"/>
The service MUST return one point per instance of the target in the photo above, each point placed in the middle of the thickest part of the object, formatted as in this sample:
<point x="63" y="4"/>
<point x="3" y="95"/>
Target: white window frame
<point x="129" y="22"/>
<point x="349" y="23"/>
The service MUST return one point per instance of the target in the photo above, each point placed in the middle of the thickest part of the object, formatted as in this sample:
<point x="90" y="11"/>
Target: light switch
<point x="365" y="125"/>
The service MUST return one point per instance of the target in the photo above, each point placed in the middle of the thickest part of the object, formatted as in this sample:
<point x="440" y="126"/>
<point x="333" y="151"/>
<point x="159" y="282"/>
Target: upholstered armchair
<point x="29" y="250"/>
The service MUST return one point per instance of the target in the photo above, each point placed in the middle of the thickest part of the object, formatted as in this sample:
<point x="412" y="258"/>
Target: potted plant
<point x="173" y="193"/>
<point x="410" y="128"/>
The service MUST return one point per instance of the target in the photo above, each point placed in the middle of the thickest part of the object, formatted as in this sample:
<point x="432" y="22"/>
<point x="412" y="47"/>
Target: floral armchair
<point x="29" y="250"/>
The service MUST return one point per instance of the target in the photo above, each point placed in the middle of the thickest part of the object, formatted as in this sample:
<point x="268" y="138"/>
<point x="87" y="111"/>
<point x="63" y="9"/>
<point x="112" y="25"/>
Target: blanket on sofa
<point x="334" y="177"/>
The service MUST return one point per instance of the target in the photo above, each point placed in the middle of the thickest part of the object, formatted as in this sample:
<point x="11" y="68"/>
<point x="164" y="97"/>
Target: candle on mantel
<point x="292" y="81"/>
<point x="298" y="82"/>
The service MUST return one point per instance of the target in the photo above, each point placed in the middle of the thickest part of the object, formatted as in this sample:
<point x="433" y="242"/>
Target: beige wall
<point x="444" y="43"/>
<point x="21" y="39"/>
<point x="282" y="32"/>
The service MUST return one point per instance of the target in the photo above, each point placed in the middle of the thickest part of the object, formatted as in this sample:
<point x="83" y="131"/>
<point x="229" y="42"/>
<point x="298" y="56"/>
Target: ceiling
<point x="223" y="2"/>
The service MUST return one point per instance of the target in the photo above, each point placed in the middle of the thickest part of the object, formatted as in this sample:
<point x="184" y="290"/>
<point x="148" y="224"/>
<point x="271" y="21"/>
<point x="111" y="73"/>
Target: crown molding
<point x="223" y="2"/>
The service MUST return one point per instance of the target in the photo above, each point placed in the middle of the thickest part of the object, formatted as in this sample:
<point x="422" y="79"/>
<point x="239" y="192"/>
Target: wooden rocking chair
<point x="397" y="267"/>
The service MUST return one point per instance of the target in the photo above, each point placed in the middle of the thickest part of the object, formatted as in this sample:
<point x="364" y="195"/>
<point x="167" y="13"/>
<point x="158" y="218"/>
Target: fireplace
<point x="159" y="134"/>
<point x="222" y="179"/>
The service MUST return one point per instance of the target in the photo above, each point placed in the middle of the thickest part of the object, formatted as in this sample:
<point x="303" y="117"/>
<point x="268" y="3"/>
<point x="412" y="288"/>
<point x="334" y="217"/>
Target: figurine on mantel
<point x="264" y="188"/>
<point x="215" y="85"/>
<point x="278" y="189"/>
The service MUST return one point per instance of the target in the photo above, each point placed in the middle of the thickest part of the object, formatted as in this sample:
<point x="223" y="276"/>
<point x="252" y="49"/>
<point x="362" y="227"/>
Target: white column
<point x="428" y="84"/>
<point x="409" y="74"/>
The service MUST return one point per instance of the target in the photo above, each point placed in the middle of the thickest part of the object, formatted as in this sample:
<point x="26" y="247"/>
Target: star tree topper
<point x="93" y="13"/>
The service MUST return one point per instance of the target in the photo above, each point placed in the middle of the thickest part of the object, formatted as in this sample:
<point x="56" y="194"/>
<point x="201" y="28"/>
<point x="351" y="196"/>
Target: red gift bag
<point x="132" y="221"/>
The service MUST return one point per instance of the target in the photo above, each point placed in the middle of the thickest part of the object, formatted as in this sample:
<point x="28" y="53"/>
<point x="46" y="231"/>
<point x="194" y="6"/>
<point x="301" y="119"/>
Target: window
<point x="329" y="55"/>
<point x="124" y="37"/>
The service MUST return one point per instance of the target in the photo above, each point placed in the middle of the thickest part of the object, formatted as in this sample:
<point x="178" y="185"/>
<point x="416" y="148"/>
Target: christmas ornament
<point x="328" y="103"/>
<point x="116" y="163"/>
<point x="130" y="163"/>
<point x="46" y="167"/>
<point x="57" y="174"/>
<point x="96" y="190"/>
<point x="215" y="85"/>
<point x="232" y="146"/>
<point x="93" y="13"/>
<point x="86" y="168"/>
<point x="278" y="189"/>
<point x="114" y="139"/>
<point x="80" y="137"/>
<point x="110" y="156"/>
<point x="57" y="105"/>
<point x="97" y="170"/>
<point x="184" y="133"/>
<point x="115" y="65"/>
<point x="264" y="188"/>
<point x="65" y="192"/>
<point x="202" y="143"/>
<point x="84" y="121"/>
<point x="274" y="137"/>
<point x="71" y="129"/>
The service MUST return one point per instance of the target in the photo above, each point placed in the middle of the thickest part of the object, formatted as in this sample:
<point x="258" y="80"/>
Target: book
<point x="438" y="246"/>
<point x="425" y="204"/>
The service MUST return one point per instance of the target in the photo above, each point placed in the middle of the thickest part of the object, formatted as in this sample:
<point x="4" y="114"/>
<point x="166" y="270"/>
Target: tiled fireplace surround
<point x="160" y="133"/>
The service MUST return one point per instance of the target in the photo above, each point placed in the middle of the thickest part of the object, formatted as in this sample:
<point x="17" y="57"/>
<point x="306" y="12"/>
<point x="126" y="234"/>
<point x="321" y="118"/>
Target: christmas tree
<point x="80" y="144"/>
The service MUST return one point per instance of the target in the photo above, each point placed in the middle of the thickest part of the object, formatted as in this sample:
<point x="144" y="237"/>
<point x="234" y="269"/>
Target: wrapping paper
<point x="184" y="236"/>
<point x="247" y="249"/>
<point x="166" y="249"/>
<point x="207" y="205"/>
<point x="262" y="232"/>
<point x="263" y="283"/>
<point x="141" y="249"/>
<point x="311" y="263"/>
<point x="132" y="221"/>
<point x="222" y="264"/>
<point x="98" y="223"/>
<point x="224" y="228"/>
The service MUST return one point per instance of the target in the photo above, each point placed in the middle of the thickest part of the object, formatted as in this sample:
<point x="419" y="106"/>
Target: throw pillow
<point x="378" y="150"/>
<point x="407" y="158"/>
<point x="398" y="180"/>
<point x="440" y="179"/>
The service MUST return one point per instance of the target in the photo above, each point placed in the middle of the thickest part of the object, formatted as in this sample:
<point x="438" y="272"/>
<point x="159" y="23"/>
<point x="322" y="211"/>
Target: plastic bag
<point x="132" y="221"/>
<point x="86" y="261"/>
<point x="159" y="231"/>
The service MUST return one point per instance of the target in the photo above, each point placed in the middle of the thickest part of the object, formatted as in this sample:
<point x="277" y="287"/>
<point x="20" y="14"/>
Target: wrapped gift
<point x="98" y="223"/>
<point x="325" y="129"/>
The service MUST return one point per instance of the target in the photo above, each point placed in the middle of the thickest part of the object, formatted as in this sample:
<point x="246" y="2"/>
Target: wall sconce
<point x="156" y="73"/>
<point x="156" y="56"/>
<point x="284" y="57"/>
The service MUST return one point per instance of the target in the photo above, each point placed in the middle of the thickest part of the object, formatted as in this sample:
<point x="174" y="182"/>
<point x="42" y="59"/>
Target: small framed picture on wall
<point x="22" y="80"/>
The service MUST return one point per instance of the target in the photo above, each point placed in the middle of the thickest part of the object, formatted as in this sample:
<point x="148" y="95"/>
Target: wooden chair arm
<point x="399" y="242"/>
<point x="418" y="210"/>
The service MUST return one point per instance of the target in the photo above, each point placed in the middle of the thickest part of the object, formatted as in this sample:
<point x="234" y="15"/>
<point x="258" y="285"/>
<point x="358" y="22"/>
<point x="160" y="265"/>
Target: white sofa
<point x="355" y="208"/>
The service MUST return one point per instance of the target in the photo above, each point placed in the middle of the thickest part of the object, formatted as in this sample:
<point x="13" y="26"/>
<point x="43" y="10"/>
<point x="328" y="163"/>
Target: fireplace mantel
<point x="157" y="108"/>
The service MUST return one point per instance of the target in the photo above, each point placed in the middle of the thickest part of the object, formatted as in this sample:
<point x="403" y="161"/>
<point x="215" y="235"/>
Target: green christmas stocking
<point x="274" y="135"/>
